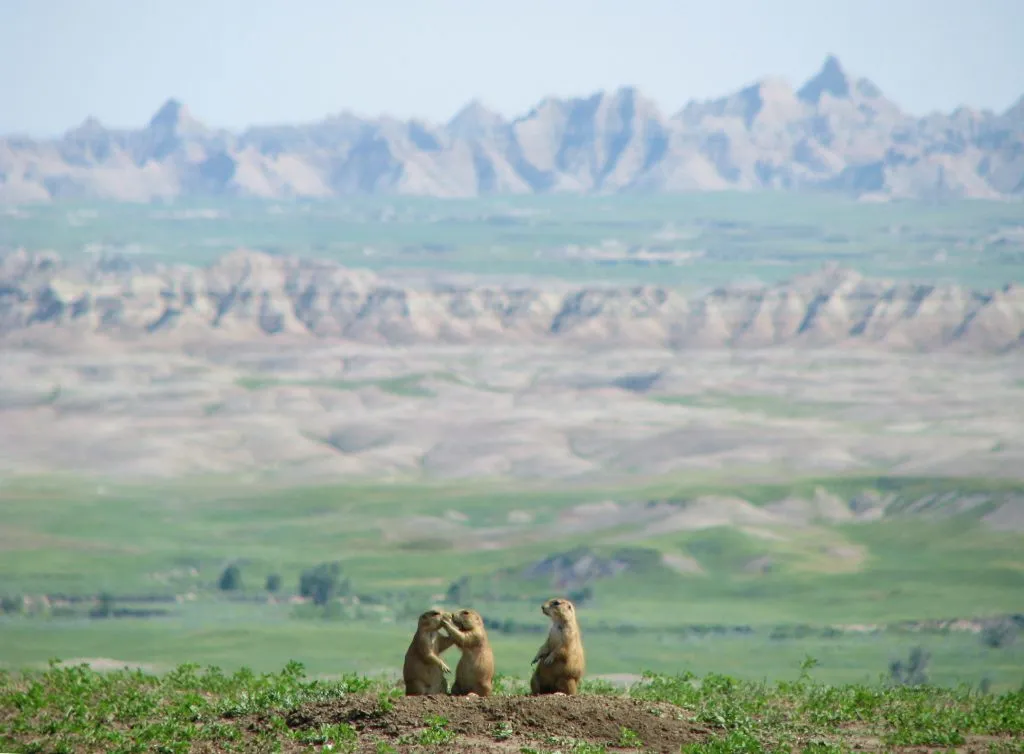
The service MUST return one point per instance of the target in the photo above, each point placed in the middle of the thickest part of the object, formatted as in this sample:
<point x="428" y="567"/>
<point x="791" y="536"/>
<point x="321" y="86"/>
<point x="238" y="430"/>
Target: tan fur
<point x="424" y="669"/>
<point x="475" y="672"/>
<point x="560" y="661"/>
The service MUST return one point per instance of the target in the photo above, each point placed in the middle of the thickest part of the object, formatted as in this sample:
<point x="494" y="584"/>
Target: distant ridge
<point x="246" y="295"/>
<point x="836" y="132"/>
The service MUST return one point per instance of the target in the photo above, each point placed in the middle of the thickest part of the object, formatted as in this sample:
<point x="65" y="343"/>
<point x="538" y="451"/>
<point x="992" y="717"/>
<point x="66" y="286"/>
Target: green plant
<point x="628" y="739"/>
<point x="323" y="583"/>
<point x="436" y="732"/>
<point x="273" y="583"/>
<point x="339" y="737"/>
<point x="104" y="607"/>
<point x="460" y="591"/>
<point x="74" y="708"/>
<point x="1000" y="635"/>
<point x="230" y="579"/>
<point x="386" y="700"/>
<point x="12" y="605"/>
<point x="575" y="746"/>
<point x="913" y="671"/>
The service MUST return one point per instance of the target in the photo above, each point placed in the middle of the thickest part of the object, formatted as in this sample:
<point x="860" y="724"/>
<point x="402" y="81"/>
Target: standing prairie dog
<point x="560" y="662"/>
<point x="424" y="669"/>
<point x="475" y="672"/>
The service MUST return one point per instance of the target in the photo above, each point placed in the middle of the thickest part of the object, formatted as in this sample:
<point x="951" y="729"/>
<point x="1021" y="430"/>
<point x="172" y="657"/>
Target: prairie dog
<point x="475" y="672"/>
<point x="424" y="669"/>
<point x="560" y="662"/>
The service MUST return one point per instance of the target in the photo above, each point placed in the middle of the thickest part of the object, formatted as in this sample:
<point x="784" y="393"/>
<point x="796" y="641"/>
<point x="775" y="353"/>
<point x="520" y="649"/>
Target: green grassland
<point x="407" y="385"/>
<point x="77" y="710"/>
<point x="767" y="236"/>
<point x="68" y="538"/>
<point x="265" y="640"/>
<point x="760" y="599"/>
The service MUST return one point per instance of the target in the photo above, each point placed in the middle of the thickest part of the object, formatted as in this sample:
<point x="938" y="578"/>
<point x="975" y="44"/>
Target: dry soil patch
<point x="528" y="721"/>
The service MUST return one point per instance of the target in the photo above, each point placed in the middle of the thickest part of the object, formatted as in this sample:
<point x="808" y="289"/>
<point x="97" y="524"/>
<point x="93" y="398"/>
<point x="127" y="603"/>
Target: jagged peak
<point x="831" y="79"/>
<point x="547" y="102"/>
<point x="597" y="104"/>
<point x="1016" y="110"/>
<point x="89" y="127"/>
<point x="774" y="87"/>
<point x="746" y="103"/>
<point x="643" y="107"/>
<point x="473" y="119"/>
<point x="595" y="97"/>
<point x="625" y="93"/>
<point x="175" y="116"/>
<point x="769" y="89"/>
<point x="168" y="113"/>
<point x="867" y="88"/>
<point x="475" y="109"/>
<point x="622" y="93"/>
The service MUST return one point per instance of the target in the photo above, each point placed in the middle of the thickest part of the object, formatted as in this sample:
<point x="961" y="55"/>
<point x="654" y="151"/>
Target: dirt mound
<point x="508" y="723"/>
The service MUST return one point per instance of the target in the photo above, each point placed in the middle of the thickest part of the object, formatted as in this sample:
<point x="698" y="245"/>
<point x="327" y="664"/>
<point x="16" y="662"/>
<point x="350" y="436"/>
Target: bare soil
<point x="162" y="410"/>
<point x="507" y="723"/>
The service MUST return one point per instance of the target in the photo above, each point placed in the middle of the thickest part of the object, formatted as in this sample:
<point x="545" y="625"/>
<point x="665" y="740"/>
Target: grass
<point x="149" y="541"/>
<point x="62" y="537"/>
<point x="753" y="717"/>
<point x="75" y="709"/>
<point x="406" y="386"/>
<point x="769" y="405"/>
<point x="265" y="640"/>
<point x="132" y="711"/>
<point x="770" y="235"/>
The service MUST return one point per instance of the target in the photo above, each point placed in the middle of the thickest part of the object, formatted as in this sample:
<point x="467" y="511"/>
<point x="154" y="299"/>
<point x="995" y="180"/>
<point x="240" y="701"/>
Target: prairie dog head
<point x="430" y="620"/>
<point x="561" y="611"/>
<point x="467" y="620"/>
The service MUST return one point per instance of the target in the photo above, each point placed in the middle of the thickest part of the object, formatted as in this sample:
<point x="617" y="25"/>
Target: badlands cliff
<point x="249" y="294"/>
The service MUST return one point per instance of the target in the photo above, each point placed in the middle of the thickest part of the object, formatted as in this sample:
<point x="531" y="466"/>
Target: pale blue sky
<point x="240" y="62"/>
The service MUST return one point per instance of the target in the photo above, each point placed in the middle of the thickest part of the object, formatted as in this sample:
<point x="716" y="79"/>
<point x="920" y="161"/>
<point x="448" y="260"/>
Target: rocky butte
<point x="836" y="132"/>
<point x="247" y="294"/>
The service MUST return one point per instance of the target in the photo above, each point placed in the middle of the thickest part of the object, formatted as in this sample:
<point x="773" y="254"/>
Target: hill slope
<point x="249" y="294"/>
<point x="311" y="368"/>
<point x="836" y="132"/>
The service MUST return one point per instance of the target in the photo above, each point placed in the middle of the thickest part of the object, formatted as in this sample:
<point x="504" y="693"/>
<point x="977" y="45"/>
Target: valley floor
<point x="531" y="413"/>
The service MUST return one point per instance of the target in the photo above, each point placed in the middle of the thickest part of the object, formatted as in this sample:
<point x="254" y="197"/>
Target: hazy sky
<point x="239" y="62"/>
